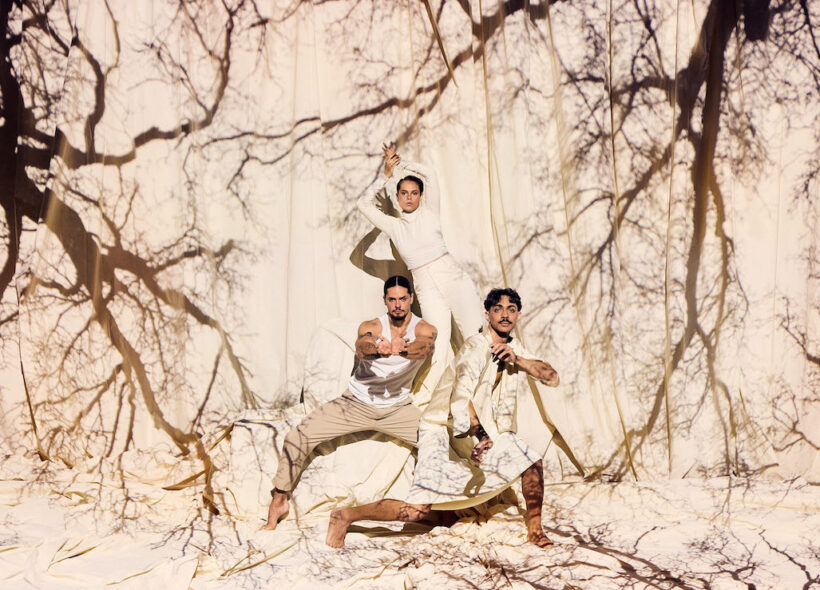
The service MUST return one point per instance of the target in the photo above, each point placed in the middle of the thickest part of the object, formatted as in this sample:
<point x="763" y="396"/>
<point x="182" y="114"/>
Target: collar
<point x="485" y="332"/>
<point x="413" y="215"/>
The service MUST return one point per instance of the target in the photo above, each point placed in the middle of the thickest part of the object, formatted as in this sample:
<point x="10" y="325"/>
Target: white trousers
<point x="443" y="288"/>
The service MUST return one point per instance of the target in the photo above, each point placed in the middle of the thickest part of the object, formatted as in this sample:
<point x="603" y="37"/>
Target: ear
<point x="487" y="316"/>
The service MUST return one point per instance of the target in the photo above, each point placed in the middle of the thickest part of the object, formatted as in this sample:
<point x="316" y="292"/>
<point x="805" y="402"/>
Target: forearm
<point x="419" y="349"/>
<point x="368" y="206"/>
<point x="539" y="370"/>
<point x="476" y="429"/>
<point x="484" y="443"/>
<point x="428" y="176"/>
<point x="366" y="346"/>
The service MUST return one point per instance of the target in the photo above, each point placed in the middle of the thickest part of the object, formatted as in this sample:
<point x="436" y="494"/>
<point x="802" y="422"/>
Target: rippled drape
<point x="179" y="187"/>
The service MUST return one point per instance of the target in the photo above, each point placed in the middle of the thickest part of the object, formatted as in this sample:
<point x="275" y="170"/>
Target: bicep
<point x="369" y="329"/>
<point x="426" y="331"/>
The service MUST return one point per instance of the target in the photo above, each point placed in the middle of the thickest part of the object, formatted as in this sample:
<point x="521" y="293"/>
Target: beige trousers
<point x="343" y="415"/>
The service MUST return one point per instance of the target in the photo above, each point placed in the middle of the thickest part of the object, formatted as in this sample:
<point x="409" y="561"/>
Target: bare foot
<point x="536" y="536"/>
<point x="337" y="528"/>
<point x="277" y="510"/>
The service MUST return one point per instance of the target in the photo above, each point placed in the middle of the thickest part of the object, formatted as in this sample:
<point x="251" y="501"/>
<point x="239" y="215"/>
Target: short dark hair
<point x="397" y="281"/>
<point x="494" y="296"/>
<point x="412" y="178"/>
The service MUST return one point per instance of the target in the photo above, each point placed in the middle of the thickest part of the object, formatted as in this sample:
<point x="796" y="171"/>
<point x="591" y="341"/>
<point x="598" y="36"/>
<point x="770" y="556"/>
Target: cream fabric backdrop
<point x="179" y="188"/>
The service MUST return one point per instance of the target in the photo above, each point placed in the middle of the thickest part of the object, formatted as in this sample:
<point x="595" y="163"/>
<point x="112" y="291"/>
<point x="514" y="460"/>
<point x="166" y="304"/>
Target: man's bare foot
<point x="277" y="510"/>
<point x="536" y="536"/>
<point x="337" y="528"/>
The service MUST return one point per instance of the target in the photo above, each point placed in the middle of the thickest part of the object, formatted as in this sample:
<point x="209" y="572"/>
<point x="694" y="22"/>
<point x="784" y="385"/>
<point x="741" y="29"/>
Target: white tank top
<point x="386" y="381"/>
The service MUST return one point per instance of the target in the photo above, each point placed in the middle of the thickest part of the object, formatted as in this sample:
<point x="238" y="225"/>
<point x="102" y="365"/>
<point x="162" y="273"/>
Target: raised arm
<point x="398" y="169"/>
<point x="431" y="197"/>
<point x="368" y="205"/>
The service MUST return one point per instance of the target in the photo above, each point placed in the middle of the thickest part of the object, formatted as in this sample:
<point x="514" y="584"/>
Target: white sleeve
<point x="368" y="205"/>
<point x="469" y="365"/>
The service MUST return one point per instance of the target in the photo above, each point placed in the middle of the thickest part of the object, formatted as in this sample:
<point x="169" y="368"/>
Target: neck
<point x="498" y="336"/>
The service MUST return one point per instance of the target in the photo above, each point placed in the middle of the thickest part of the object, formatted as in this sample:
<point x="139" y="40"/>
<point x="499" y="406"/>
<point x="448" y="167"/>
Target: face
<point x="408" y="196"/>
<point x="398" y="301"/>
<point x="503" y="315"/>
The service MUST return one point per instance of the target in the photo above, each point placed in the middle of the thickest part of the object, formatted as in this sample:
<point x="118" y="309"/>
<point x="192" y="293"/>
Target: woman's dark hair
<point x="397" y="281"/>
<point x="494" y="296"/>
<point x="412" y="178"/>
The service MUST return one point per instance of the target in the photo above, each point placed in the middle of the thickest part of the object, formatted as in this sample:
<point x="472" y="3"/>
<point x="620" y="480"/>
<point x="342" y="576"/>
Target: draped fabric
<point x="179" y="184"/>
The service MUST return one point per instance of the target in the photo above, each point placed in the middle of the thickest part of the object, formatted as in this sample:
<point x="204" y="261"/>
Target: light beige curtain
<point x="179" y="187"/>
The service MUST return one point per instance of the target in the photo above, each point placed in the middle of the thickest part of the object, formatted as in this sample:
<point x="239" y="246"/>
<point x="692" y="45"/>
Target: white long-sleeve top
<point x="417" y="235"/>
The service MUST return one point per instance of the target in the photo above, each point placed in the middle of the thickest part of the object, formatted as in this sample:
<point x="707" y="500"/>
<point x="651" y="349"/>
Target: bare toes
<point x="540" y="539"/>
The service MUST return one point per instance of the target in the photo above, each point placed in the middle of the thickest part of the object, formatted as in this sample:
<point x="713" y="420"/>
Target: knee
<point x="295" y="441"/>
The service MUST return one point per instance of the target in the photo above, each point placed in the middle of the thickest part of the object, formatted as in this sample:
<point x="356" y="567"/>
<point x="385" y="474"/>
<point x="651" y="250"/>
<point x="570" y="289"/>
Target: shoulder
<point x="425" y="329"/>
<point x="373" y="326"/>
<point x="478" y="340"/>
<point x="475" y="346"/>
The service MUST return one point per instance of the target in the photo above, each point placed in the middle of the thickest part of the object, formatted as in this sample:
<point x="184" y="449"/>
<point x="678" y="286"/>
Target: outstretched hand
<point x="383" y="348"/>
<point x="391" y="159"/>
<point x="399" y="344"/>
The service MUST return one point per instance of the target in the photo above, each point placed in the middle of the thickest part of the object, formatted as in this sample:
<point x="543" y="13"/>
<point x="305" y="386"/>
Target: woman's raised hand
<point x="391" y="159"/>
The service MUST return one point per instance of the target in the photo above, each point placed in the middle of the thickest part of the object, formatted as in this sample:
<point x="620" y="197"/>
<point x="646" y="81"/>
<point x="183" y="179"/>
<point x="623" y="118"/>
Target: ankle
<point x="278" y="495"/>
<point x="340" y="514"/>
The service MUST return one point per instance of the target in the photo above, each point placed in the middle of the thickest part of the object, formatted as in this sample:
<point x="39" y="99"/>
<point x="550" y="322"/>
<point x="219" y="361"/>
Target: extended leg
<point x="532" y="485"/>
<point x="330" y="420"/>
<point x="435" y="311"/>
<point x="342" y="518"/>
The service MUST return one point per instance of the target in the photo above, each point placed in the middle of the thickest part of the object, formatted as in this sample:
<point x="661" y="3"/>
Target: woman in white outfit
<point x="442" y="287"/>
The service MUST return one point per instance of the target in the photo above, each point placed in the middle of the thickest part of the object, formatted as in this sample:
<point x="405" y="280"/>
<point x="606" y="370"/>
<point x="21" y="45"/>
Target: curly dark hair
<point x="494" y="296"/>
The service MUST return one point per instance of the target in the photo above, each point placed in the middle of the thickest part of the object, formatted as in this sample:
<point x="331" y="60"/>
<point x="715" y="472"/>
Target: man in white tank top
<point x="390" y="350"/>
